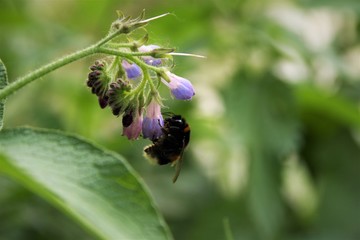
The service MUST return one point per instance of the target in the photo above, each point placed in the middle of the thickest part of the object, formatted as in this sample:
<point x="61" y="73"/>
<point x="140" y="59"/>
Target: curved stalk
<point x="16" y="85"/>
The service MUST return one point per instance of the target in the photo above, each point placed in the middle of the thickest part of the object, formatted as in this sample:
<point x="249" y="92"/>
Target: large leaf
<point x="95" y="187"/>
<point x="314" y="102"/>
<point x="334" y="160"/>
<point x="3" y="83"/>
<point x="264" y="113"/>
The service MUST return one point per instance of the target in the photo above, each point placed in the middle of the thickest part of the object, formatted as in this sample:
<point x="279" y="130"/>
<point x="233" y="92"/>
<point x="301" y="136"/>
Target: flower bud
<point x="181" y="88"/>
<point x="124" y="24"/>
<point x="127" y="118"/>
<point x="116" y="96"/>
<point x="98" y="81"/>
<point x="103" y="101"/>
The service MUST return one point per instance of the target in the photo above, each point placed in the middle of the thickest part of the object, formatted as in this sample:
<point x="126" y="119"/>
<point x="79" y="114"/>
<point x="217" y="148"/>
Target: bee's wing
<point x="179" y="164"/>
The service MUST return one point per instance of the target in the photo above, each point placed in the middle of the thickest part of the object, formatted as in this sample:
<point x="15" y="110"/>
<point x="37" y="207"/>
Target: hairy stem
<point x="108" y="38"/>
<point x="131" y="56"/>
<point x="16" y="85"/>
<point x="96" y="48"/>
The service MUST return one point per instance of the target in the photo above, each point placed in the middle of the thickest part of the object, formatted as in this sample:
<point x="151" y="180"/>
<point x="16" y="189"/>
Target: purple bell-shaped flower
<point x="181" y="88"/>
<point x="153" y="121"/>
<point x="133" y="130"/>
<point x="132" y="70"/>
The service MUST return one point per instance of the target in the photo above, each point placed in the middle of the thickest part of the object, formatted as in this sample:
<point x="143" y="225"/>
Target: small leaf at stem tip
<point x="120" y="14"/>
<point x="142" y="41"/>
<point x="142" y="15"/>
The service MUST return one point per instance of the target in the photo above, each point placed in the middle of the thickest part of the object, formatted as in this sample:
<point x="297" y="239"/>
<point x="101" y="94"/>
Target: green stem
<point x="144" y="68"/>
<point x="119" y="45"/>
<point x="130" y="56"/>
<point x="16" y="85"/>
<point x="114" y="64"/>
<point x="96" y="48"/>
<point x="227" y="229"/>
<point x="108" y="38"/>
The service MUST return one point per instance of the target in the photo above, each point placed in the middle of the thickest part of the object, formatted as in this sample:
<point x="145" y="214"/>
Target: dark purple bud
<point x="114" y="86"/>
<point x="90" y="83"/>
<point x="116" y="94"/>
<point x="93" y="76"/>
<point x="93" y="91"/>
<point x="127" y="119"/>
<point x="97" y="88"/>
<point x="133" y="131"/>
<point x="103" y="101"/>
<point x="116" y="111"/>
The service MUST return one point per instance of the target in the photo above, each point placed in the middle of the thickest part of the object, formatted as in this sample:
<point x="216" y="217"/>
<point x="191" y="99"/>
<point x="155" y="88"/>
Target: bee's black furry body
<point x="170" y="146"/>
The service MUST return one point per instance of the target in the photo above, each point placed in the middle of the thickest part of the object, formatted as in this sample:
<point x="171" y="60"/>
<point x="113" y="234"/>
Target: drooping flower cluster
<point x="128" y="82"/>
<point x="126" y="98"/>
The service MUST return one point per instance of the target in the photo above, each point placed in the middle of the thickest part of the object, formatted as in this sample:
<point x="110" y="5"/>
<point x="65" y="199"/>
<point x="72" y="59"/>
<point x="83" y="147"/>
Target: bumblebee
<point x="169" y="147"/>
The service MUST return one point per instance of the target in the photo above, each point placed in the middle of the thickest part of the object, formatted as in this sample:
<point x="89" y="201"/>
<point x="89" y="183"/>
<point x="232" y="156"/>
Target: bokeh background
<point x="275" y="145"/>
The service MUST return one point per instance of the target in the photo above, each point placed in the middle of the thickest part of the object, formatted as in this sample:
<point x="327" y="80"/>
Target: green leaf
<point x="264" y="112"/>
<point x="314" y="101"/>
<point x="3" y="83"/>
<point x="334" y="162"/>
<point x="95" y="187"/>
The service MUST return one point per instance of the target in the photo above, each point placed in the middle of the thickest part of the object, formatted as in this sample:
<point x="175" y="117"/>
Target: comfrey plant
<point x="96" y="186"/>
<point x="127" y="80"/>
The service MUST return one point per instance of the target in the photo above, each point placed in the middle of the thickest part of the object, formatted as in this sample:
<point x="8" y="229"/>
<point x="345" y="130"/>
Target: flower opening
<point x="133" y="131"/>
<point x="153" y="121"/>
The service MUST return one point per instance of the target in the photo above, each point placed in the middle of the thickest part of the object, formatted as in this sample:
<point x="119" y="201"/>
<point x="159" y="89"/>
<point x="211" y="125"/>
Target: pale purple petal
<point x="153" y="122"/>
<point x="148" y="48"/>
<point x="147" y="59"/>
<point x="133" y="131"/>
<point x="152" y="128"/>
<point x="152" y="61"/>
<point x="133" y="71"/>
<point x="181" y="88"/>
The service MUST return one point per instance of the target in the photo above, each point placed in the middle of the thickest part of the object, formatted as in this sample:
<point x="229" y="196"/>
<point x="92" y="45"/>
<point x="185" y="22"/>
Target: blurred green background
<point x="275" y="145"/>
